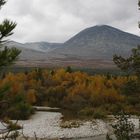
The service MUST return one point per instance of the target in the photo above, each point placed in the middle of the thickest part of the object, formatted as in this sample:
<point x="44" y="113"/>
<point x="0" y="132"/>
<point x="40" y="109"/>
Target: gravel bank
<point x="47" y="125"/>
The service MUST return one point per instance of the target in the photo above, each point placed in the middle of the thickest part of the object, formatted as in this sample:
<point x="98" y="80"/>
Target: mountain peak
<point x="102" y="32"/>
<point x="102" y="25"/>
<point x="102" y="28"/>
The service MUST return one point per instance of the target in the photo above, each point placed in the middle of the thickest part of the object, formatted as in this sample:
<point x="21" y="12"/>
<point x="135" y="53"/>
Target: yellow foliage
<point x="97" y="88"/>
<point x="30" y="96"/>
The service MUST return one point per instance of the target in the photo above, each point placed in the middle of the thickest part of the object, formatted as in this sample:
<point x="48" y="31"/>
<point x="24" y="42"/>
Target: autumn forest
<point x="87" y="95"/>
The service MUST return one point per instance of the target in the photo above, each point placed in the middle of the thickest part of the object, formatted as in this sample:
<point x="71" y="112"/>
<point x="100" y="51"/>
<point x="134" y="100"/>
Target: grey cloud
<point x="58" y="20"/>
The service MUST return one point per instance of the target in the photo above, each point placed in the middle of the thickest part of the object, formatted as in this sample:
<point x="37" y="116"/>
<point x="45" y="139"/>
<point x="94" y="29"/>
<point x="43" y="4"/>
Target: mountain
<point x="98" y="42"/>
<point x="27" y="53"/>
<point x="42" y="46"/>
<point x="92" y="47"/>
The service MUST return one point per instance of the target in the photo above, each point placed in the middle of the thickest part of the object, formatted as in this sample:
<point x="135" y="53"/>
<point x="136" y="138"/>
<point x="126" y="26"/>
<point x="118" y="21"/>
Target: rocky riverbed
<point x="47" y="125"/>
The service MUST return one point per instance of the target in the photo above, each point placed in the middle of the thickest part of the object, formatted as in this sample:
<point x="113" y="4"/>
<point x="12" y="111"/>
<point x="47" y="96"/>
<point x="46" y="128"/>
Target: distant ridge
<point x="91" y="47"/>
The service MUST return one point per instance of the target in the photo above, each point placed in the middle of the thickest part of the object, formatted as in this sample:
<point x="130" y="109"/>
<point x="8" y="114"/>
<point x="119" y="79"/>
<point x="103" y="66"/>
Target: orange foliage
<point x="31" y="98"/>
<point x="97" y="89"/>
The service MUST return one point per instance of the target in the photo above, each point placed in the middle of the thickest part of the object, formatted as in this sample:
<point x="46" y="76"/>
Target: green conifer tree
<point x="7" y="55"/>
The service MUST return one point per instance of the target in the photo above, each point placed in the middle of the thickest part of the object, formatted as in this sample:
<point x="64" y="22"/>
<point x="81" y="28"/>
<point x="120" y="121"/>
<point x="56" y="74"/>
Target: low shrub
<point x="87" y="111"/>
<point x="20" y="111"/>
<point x="97" y="113"/>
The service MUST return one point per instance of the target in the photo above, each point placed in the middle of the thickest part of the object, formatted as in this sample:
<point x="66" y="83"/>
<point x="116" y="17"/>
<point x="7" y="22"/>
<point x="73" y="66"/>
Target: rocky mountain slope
<point x="99" y="42"/>
<point x="92" y="46"/>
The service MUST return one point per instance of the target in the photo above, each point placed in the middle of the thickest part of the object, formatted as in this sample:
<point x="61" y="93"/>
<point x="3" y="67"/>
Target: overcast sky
<point x="58" y="20"/>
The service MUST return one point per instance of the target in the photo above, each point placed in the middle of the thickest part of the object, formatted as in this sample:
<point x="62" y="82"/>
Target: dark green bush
<point x="123" y="128"/>
<point x="99" y="114"/>
<point x="132" y="87"/>
<point x="133" y="100"/>
<point x="20" y="111"/>
<point x="87" y="111"/>
<point x="115" y="108"/>
<point x="55" y="96"/>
